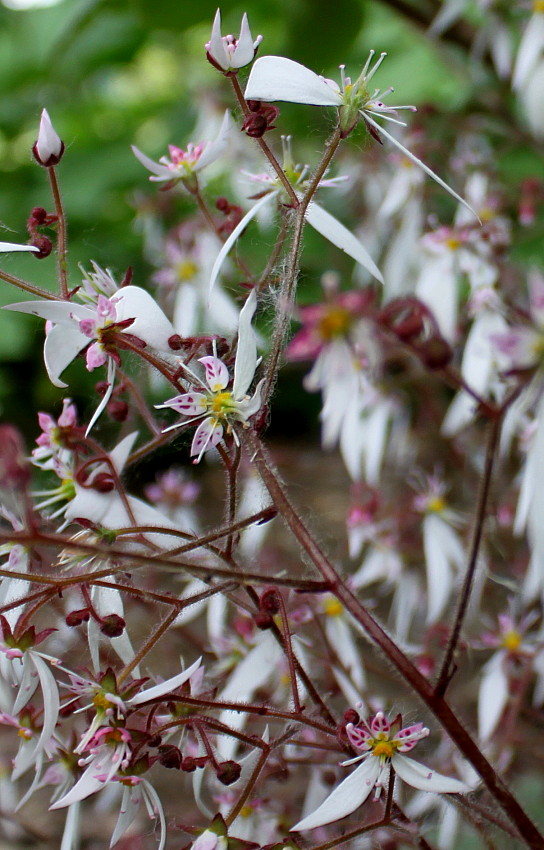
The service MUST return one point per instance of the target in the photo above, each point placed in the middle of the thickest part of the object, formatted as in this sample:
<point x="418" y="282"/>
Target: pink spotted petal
<point x="410" y="736"/>
<point x="96" y="356"/>
<point x="380" y="723"/>
<point x="358" y="737"/>
<point x="217" y="374"/>
<point x="207" y="435"/>
<point x="188" y="404"/>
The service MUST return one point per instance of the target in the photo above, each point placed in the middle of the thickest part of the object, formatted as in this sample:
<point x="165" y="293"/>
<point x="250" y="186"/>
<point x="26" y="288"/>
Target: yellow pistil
<point x="453" y="243"/>
<point x="101" y="702"/>
<point x="336" y="322"/>
<point x="221" y="404"/>
<point x="25" y="733"/>
<point x="246" y="811"/>
<point x="436" y="505"/>
<point x="186" y="269"/>
<point x="333" y="608"/>
<point x="538" y="6"/>
<point x="384" y="748"/>
<point x="512" y="640"/>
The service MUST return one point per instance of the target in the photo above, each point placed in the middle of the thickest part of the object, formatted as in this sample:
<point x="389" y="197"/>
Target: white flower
<point x="218" y="407"/>
<point x="318" y="218"/>
<point x="383" y="745"/>
<point x="228" y="53"/>
<point x="131" y="310"/>
<point x="277" y="78"/>
<point x="185" y="164"/>
<point x="49" y="147"/>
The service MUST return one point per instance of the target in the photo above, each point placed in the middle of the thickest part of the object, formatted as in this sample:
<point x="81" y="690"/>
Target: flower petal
<point x="207" y="435"/>
<point x="58" y="312"/>
<point x="493" y="695"/>
<point x="424" y="779"/>
<point x="165" y="687"/>
<point x="215" y="46"/>
<point x="246" y="353"/>
<point x="6" y="247"/>
<point x="245" y="50"/>
<point x="278" y="78"/>
<point x="188" y="404"/>
<point x="217" y="148"/>
<point x="240" y="227"/>
<point x="62" y="344"/>
<point x="346" y="797"/>
<point x="217" y="374"/>
<point x="331" y="229"/>
<point x="161" y="171"/>
<point x="418" y="162"/>
<point x="150" y="323"/>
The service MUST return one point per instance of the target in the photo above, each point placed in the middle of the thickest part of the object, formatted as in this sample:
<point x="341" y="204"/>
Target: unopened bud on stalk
<point x="49" y="147"/>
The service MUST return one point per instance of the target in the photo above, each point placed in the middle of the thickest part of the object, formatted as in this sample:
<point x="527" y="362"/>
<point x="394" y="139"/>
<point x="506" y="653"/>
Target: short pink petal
<point x="217" y="374"/>
<point x="207" y="435"/>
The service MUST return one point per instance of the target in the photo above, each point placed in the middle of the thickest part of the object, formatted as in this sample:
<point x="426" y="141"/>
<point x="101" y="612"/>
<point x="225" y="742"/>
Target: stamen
<point x="367" y="63"/>
<point x="376" y="66"/>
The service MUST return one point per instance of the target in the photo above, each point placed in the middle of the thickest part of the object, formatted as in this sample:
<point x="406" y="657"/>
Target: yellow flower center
<point x="221" y="404"/>
<point x="384" y="748"/>
<point x="511" y="640"/>
<point x="25" y="733"/>
<point x="453" y="243"/>
<point x="538" y="6"/>
<point x="336" y="322"/>
<point x="246" y="811"/>
<point x="436" y="505"/>
<point x="186" y="269"/>
<point x="333" y="608"/>
<point x="101" y="701"/>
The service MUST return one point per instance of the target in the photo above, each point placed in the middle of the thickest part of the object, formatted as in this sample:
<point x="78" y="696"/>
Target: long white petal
<point x="150" y="324"/>
<point x="246" y="353"/>
<point x="161" y="171"/>
<point x="54" y="311"/>
<point x="220" y="259"/>
<point x="7" y="247"/>
<point x="62" y="344"/>
<point x="217" y="148"/>
<point x="278" y="78"/>
<point x="165" y="687"/>
<point x="418" y="162"/>
<point x="493" y="696"/>
<point x="346" y="797"/>
<point x="245" y="50"/>
<point x="331" y="229"/>
<point x="424" y="779"/>
<point x="216" y="48"/>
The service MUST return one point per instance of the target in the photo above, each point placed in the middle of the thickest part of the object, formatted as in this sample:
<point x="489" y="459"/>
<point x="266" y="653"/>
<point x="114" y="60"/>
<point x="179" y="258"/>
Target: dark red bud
<point x="269" y="602"/>
<point x="435" y="353"/>
<point x="222" y="205"/>
<point x="44" y="245"/>
<point x="351" y="716"/>
<point x="170" y="756"/>
<point x="175" y="342"/>
<point x="75" y="618"/>
<point x="263" y="621"/>
<point x="112" y="626"/>
<point x="14" y="469"/>
<point x="228" y="772"/>
<point x="118" y="410"/>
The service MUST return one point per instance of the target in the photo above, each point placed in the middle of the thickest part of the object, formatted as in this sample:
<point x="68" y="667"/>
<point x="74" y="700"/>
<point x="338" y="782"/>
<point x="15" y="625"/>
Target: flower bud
<point x="49" y="147"/>
<point x="14" y="470"/>
<point x="112" y="626"/>
<point x="228" y="772"/>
